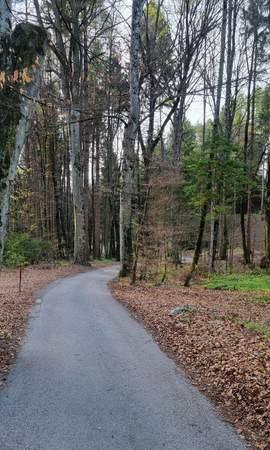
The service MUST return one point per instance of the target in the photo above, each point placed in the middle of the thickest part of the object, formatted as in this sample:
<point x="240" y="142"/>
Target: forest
<point x="99" y="144"/>
<point x="138" y="134"/>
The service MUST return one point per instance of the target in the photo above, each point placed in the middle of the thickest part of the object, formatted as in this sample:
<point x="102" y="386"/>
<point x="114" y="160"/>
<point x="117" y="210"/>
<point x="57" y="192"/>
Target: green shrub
<point x="21" y="250"/>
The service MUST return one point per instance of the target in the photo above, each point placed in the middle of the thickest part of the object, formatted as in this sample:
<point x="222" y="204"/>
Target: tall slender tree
<point x="128" y="144"/>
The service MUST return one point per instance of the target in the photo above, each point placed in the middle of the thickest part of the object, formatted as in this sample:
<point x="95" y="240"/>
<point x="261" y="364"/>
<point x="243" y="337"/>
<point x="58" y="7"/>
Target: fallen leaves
<point x="15" y="306"/>
<point x="224" y="359"/>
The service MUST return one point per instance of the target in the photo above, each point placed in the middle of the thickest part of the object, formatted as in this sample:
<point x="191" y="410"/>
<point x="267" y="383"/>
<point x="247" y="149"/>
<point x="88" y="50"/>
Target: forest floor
<point x="220" y="338"/>
<point x="15" y="305"/>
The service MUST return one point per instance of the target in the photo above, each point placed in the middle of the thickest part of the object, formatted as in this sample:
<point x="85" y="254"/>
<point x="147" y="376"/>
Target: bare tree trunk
<point x="108" y="234"/>
<point x="81" y="243"/>
<point x="232" y="234"/>
<point x="178" y="126"/>
<point x="59" y="210"/>
<point x="204" y="209"/>
<point x="96" y="243"/>
<point x="267" y="211"/>
<point x="130" y="133"/>
<point x="231" y="33"/>
<point x="245" y="201"/>
<point x="251" y="146"/>
<point x="212" y="256"/>
<point x="68" y="196"/>
<point x="198" y="248"/>
<point x="216" y="133"/>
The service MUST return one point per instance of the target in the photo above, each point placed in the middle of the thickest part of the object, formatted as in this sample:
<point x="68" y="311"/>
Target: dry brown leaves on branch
<point x="229" y="363"/>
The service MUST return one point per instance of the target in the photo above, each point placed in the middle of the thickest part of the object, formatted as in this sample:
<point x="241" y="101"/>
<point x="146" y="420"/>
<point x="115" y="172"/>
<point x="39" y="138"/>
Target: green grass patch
<point x="102" y="261"/>
<point x="260" y="328"/>
<point x="259" y="299"/>
<point x="239" y="282"/>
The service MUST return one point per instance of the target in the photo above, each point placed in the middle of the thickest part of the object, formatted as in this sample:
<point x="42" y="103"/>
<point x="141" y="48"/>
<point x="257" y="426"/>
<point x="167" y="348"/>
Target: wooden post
<point x="20" y="279"/>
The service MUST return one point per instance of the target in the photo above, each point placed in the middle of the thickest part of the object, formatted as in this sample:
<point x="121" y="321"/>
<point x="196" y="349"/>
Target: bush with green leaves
<point x="21" y="250"/>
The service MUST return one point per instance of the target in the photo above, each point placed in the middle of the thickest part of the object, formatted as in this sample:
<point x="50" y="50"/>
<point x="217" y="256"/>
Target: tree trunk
<point x="59" y="207"/>
<point x="251" y="146"/>
<point x="108" y="234"/>
<point x="81" y="243"/>
<point x="96" y="243"/>
<point x="246" y="157"/>
<point x="216" y="133"/>
<point x="204" y="209"/>
<point x="178" y="121"/>
<point x="232" y="19"/>
<point x="267" y="211"/>
<point x="198" y="248"/>
<point x="130" y="133"/>
<point x="21" y="135"/>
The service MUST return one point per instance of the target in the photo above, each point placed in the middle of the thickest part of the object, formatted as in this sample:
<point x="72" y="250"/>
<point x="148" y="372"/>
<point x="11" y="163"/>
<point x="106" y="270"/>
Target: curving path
<point x="89" y="377"/>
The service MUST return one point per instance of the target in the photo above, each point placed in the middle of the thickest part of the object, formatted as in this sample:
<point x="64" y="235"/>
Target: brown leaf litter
<point x="227" y="362"/>
<point x="15" y="305"/>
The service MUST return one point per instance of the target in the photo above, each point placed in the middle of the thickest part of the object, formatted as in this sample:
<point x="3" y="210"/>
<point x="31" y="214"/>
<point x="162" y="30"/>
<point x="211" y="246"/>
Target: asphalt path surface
<point x="89" y="377"/>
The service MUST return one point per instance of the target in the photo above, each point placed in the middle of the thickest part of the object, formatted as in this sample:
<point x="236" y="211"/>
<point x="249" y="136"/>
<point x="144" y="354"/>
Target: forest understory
<point x="209" y="334"/>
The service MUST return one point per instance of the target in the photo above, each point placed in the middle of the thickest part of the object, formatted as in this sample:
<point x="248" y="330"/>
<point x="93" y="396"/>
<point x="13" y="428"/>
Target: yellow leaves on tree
<point x="22" y="77"/>
<point x="25" y="76"/>
<point x="2" y="79"/>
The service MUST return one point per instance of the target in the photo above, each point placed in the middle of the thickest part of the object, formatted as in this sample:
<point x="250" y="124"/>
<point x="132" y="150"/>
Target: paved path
<point x="89" y="377"/>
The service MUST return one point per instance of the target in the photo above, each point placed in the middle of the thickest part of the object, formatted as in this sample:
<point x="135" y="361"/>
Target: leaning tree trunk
<point x="130" y="133"/>
<point x="22" y="97"/>
<point x="21" y="134"/>
<point x="5" y="29"/>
